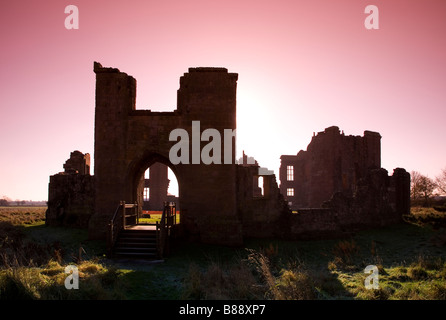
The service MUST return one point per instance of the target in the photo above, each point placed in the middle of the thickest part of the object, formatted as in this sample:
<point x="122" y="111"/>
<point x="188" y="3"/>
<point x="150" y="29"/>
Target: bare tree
<point x="421" y="187"/>
<point x="440" y="180"/>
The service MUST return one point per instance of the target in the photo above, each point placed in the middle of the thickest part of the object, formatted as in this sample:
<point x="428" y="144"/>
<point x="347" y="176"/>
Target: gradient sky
<point x="303" y="66"/>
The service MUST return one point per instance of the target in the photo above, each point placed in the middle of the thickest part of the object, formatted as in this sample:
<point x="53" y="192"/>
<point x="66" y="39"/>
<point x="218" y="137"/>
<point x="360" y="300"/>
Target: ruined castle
<point x="332" y="163"/>
<point x="334" y="187"/>
<point x="337" y="185"/>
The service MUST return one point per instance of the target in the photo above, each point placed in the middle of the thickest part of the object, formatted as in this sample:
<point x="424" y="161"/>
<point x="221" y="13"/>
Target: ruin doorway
<point x="148" y="185"/>
<point x="160" y="186"/>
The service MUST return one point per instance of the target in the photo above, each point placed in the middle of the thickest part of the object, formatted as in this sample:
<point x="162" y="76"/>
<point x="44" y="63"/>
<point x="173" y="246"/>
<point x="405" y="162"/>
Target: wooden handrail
<point x="113" y="227"/>
<point x="116" y="212"/>
<point x="163" y="228"/>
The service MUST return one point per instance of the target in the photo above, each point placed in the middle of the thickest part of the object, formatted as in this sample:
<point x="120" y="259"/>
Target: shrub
<point x="438" y="291"/>
<point x="294" y="285"/>
<point x="409" y="292"/>
<point x="16" y="250"/>
<point x="192" y="283"/>
<point x="261" y="265"/>
<point x="346" y="250"/>
<point x="417" y="273"/>
<point x="382" y="293"/>
<point x="327" y="285"/>
<point x="18" y="284"/>
<point x="290" y="284"/>
<point x="440" y="208"/>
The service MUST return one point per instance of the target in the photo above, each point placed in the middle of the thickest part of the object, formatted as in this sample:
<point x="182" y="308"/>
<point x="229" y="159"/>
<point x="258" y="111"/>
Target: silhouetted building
<point x="332" y="163"/>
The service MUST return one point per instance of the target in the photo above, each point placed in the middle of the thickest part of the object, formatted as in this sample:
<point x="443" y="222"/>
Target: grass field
<point x="152" y="217"/>
<point x="410" y="257"/>
<point x="22" y="215"/>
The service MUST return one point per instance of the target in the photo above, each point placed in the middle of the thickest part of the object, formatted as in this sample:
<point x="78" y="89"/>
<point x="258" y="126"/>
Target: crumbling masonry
<point x="332" y="163"/>
<point x="338" y="186"/>
<point x="338" y="177"/>
<point x="71" y="193"/>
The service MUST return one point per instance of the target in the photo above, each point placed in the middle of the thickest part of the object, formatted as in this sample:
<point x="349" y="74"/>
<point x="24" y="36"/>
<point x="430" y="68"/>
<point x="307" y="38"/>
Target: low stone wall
<point x="315" y="223"/>
<point x="379" y="200"/>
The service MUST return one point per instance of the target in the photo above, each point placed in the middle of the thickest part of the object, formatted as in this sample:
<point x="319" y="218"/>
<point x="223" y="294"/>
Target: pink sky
<point x="303" y="66"/>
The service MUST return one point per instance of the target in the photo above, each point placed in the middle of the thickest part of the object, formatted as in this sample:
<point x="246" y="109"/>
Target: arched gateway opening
<point x="160" y="186"/>
<point x="149" y="183"/>
<point x="128" y="141"/>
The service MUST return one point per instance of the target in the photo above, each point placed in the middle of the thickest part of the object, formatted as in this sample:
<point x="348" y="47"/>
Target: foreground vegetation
<point x="410" y="257"/>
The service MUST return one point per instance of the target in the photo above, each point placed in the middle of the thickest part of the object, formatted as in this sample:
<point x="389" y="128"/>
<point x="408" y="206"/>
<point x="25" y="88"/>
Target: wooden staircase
<point x="136" y="243"/>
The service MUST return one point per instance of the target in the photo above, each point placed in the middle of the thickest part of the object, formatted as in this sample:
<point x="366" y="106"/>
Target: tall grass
<point x="16" y="250"/>
<point x="262" y="274"/>
<point x="48" y="283"/>
<point x="279" y="270"/>
<point x="345" y="251"/>
<point x="31" y="269"/>
<point x="250" y="278"/>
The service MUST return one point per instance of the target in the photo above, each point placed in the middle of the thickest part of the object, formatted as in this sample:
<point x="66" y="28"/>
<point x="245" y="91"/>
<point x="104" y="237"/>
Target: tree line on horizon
<point x="423" y="188"/>
<point x="6" y="202"/>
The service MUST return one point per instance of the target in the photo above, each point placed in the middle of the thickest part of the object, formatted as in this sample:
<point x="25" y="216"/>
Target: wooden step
<point x="136" y="243"/>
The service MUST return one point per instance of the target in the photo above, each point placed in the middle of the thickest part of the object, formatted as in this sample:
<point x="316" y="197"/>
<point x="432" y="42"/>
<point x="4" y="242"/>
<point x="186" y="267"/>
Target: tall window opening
<point x="260" y="185"/>
<point x="290" y="173"/>
<point x="146" y="194"/>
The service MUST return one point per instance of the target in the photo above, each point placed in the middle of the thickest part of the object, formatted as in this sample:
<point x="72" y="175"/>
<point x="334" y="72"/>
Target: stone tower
<point x="128" y="141"/>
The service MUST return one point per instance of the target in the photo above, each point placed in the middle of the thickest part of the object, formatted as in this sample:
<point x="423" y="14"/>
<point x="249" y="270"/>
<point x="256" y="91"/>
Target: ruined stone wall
<point x="78" y="163"/>
<point x="259" y="214"/>
<point x="376" y="200"/>
<point x="339" y="186"/>
<point x="158" y="184"/>
<point x="71" y="193"/>
<point x="332" y="163"/>
<point x="379" y="200"/>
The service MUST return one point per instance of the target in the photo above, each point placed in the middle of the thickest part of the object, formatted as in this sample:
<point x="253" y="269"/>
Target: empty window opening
<point x="172" y="190"/>
<point x="290" y="192"/>
<point x="261" y="186"/>
<point x="257" y="186"/>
